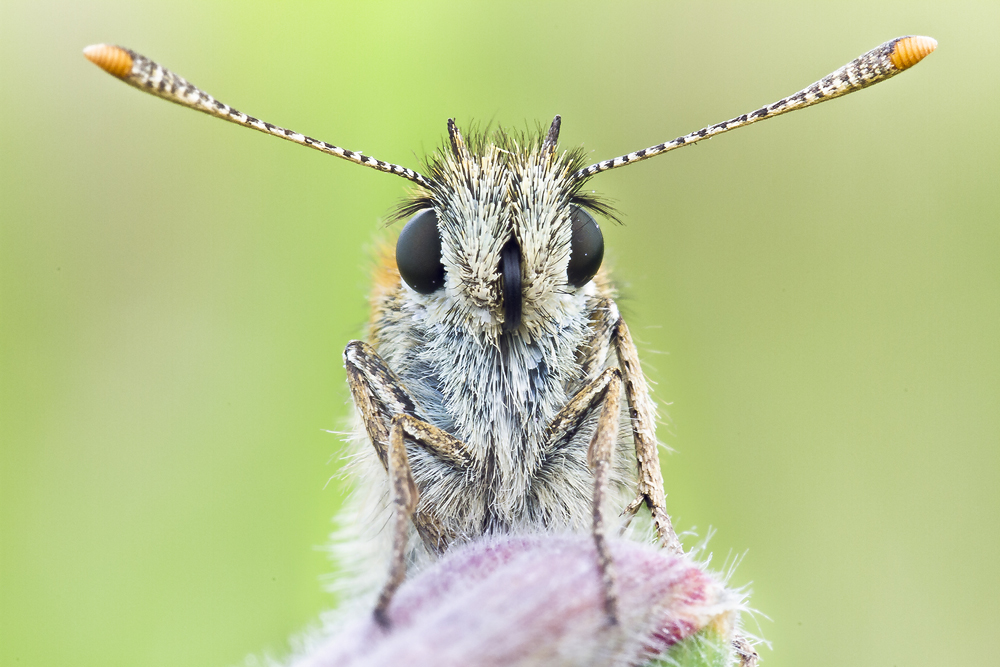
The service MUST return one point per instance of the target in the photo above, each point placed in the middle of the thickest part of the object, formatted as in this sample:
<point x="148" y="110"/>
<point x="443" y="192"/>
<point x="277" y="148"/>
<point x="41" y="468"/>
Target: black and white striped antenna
<point x="877" y="65"/>
<point x="140" y="72"/>
<point x="873" y="67"/>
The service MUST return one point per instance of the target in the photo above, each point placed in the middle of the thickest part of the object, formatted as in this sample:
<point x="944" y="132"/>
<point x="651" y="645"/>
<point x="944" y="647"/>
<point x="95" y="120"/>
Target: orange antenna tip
<point x="114" y="60"/>
<point x="908" y="51"/>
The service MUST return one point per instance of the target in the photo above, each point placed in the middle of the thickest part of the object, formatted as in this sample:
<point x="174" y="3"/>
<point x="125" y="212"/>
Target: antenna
<point x="140" y="72"/>
<point x="877" y="65"/>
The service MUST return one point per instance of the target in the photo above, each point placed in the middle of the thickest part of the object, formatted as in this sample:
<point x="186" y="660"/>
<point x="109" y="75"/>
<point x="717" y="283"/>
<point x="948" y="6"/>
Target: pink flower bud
<point x="537" y="600"/>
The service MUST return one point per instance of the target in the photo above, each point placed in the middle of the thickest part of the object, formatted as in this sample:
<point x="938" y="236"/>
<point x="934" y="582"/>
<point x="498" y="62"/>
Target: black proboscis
<point x="510" y="270"/>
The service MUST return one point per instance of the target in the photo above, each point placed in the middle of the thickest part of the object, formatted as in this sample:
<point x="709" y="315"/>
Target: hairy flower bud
<point x="537" y="600"/>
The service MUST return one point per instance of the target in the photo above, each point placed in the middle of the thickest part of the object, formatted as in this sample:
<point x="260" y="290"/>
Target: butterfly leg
<point x="603" y="392"/>
<point x="650" y="486"/>
<point x="388" y="414"/>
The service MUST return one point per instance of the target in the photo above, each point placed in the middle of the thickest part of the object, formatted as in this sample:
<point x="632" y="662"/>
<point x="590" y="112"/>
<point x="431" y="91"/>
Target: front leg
<point x="379" y="396"/>
<point x="388" y="415"/>
<point x="604" y="392"/>
<point x="405" y="494"/>
<point x="650" y="486"/>
<point x="404" y="500"/>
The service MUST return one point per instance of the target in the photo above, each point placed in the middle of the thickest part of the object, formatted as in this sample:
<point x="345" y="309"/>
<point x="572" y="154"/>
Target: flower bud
<point x="538" y="600"/>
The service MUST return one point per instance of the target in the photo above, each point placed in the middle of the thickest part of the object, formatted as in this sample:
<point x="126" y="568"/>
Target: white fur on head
<point x="486" y="193"/>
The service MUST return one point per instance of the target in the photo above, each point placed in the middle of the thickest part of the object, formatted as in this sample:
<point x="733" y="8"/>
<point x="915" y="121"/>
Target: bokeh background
<point x="817" y="298"/>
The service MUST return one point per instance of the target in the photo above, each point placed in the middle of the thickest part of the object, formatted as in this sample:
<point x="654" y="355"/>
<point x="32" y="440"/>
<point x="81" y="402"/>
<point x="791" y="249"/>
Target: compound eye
<point x="418" y="253"/>
<point x="586" y="248"/>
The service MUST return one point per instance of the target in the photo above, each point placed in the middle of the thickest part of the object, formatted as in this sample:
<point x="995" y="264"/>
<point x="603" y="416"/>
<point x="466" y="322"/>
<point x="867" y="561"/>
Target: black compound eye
<point x="418" y="253"/>
<point x="586" y="248"/>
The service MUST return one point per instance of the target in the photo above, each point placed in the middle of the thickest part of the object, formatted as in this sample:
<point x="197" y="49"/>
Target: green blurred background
<point x="817" y="298"/>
